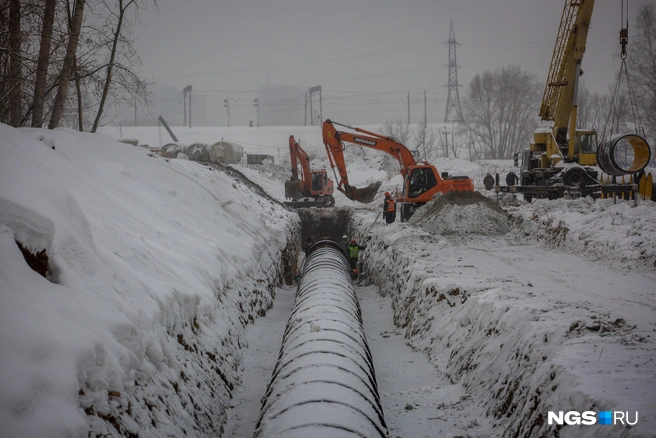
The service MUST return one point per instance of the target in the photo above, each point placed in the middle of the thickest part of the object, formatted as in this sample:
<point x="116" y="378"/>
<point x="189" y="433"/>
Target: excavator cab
<point x="317" y="180"/>
<point x="420" y="180"/>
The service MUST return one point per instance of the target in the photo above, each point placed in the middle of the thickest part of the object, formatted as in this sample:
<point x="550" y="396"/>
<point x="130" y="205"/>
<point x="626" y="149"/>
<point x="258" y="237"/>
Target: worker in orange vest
<point x="389" y="208"/>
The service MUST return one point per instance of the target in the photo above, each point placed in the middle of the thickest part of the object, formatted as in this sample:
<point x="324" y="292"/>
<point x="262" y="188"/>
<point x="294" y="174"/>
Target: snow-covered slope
<point x="525" y="328"/>
<point x="154" y="267"/>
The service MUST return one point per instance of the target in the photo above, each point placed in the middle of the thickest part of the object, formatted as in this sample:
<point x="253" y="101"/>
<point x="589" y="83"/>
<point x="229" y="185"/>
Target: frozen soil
<point x="462" y="213"/>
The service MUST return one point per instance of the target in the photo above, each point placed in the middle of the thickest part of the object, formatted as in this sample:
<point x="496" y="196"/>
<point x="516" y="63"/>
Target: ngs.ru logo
<point x="589" y="418"/>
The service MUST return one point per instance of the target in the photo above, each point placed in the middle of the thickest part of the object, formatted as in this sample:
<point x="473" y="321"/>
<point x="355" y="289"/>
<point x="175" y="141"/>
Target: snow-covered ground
<point x="158" y="268"/>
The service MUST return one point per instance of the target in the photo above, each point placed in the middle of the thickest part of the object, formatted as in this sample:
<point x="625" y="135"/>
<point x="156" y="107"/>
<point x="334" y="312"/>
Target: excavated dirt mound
<point x="462" y="213"/>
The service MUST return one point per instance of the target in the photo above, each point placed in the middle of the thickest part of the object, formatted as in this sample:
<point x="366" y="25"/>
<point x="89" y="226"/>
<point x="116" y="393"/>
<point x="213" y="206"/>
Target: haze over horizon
<point x="367" y="56"/>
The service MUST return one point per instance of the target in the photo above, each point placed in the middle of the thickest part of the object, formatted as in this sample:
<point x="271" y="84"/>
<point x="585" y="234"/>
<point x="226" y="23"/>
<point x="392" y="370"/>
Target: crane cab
<point x="585" y="147"/>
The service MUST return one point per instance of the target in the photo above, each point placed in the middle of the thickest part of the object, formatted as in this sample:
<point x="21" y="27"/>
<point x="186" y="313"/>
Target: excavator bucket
<point x="293" y="189"/>
<point x="364" y="195"/>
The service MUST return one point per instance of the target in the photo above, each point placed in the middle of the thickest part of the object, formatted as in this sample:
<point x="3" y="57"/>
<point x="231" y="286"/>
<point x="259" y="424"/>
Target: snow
<point x="148" y="256"/>
<point x="160" y="270"/>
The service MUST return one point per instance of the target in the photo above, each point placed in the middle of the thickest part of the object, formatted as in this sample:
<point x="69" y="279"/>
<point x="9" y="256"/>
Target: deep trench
<point x="324" y="223"/>
<point x="416" y="399"/>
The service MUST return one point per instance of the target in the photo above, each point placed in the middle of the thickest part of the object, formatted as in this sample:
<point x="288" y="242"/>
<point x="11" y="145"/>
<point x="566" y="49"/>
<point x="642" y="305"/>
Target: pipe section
<point x="609" y="153"/>
<point x="323" y="384"/>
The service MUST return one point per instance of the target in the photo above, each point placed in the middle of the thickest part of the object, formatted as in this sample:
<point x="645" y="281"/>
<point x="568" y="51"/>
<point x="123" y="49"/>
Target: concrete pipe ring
<point x="623" y="154"/>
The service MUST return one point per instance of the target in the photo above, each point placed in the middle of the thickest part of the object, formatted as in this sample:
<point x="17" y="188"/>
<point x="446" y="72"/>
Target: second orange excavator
<point x="421" y="182"/>
<point x="311" y="188"/>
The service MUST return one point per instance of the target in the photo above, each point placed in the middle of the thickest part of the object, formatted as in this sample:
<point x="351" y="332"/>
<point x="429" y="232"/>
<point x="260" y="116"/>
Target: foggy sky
<point x="366" y="54"/>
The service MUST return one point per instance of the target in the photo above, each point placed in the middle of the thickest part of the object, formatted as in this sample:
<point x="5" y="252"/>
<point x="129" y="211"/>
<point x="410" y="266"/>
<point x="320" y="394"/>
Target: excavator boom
<point x="421" y="181"/>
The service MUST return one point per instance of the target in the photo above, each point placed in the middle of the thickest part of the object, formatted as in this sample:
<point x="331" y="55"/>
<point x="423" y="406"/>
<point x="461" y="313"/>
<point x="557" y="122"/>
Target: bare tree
<point x="500" y="110"/>
<point x="47" y="44"/>
<point x="398" y="130"/>
<point x="450" y="144"/>
<point x="111" y="52"/>
<point x="642" y="62"/>
<point x="425" y="142"/>
<point x="15" y="76"/>
<point x="42" y="63"/>
<point x="67" y="67"/>
<point x="120" y="14"/>
<point x="4" y="59"/>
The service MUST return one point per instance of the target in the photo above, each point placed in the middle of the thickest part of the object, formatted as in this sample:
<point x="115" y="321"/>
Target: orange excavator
<point x="311" y="188"/>
<point x="421" y="182"/>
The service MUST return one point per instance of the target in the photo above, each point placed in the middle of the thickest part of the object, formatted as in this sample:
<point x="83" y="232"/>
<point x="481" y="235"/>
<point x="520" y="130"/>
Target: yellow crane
<point x="562" y="159"/>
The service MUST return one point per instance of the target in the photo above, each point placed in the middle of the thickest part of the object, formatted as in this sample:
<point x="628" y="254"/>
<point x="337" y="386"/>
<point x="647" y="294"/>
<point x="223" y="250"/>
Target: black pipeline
<point x="324" y="382"/>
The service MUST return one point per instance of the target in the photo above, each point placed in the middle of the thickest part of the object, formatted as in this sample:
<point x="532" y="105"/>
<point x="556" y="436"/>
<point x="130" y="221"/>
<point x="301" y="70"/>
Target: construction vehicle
<point x="561" y="160"/>
<point x="309" y="188"/>
<point x="421" y="182"/>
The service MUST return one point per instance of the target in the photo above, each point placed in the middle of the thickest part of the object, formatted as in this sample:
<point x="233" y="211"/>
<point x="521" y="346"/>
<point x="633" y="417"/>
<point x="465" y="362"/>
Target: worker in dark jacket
<point x="488" y="181"/>
<point x="389" y="208"/>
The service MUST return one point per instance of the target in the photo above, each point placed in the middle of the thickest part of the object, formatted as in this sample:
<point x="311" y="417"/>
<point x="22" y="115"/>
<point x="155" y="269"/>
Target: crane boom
<point x="562" y="159"/>
<point x="558" y="98"/>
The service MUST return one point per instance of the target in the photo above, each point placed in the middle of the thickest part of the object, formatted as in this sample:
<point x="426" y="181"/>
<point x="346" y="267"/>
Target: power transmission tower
<point x="453" y="99"/>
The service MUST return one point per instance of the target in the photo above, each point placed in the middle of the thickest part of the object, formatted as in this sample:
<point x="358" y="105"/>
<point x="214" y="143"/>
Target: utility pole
<point x="425" y="114"/>
<point x="311" y="91"/>
<point x="226" y="104"/>
<point x="187" y="92"/>
<point x="453" y="99"/>
<point x="257" y="109"/>
<point x="408" y="108"/>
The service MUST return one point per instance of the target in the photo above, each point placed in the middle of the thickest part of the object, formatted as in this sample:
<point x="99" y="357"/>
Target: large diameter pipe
<point x="323" y="384"/>
<point x="609" y="154"/>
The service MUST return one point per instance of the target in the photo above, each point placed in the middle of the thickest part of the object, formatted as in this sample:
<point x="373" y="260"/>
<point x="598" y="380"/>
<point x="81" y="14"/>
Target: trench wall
<point x="471" y="333"/>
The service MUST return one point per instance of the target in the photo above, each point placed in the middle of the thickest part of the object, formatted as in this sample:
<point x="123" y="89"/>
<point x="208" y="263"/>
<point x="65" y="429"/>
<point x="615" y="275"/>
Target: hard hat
<point x="387" y="193"/>
<point x="344" y="237"/>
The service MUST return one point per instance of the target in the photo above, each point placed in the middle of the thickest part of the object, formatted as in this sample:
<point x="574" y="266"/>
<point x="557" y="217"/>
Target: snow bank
<point x="155" y="267"/>
<point x="617" y="234"/>
<point x="523" y="329"/>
